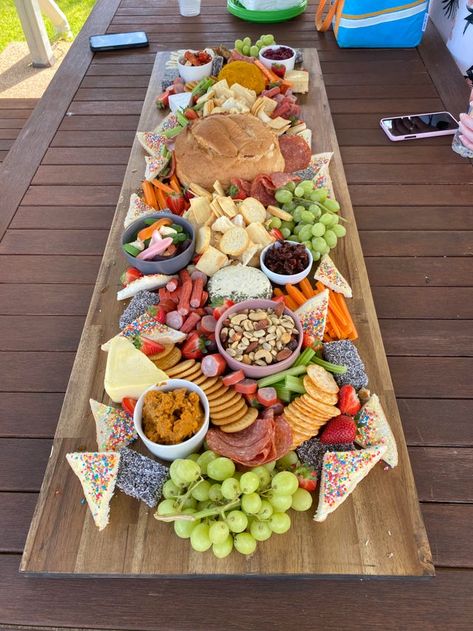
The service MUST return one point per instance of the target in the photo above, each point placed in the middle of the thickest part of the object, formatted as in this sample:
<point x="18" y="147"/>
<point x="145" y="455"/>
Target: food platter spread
<point x="230" y="409"/>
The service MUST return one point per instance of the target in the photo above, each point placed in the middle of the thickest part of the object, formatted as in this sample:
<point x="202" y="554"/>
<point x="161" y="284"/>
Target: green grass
<point x="76" y="11"/>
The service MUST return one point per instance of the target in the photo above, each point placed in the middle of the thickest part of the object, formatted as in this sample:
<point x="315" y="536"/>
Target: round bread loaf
<point x="222" y="146"/>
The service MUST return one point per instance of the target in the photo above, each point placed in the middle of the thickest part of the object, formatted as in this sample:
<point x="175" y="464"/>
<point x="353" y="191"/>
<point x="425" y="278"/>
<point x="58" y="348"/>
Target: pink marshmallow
<point x="155" y="249"/>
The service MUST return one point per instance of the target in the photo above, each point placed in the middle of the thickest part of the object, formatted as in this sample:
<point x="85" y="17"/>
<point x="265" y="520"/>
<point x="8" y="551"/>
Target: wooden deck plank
<point x="423" y="303"/>
<point x="379" y="243"/>
<point x="115" y="138"/>
<point x="436" y="377"/>
<point x="35" y="371"/>
<point x="415" y="153"/>
<point x="100" y="123"/>
<point x="54" y="242"/>
<point x="39" y="269"/>
<point x="436" y="467"/>
<point x="89" y="155"/>
<point x="48" y="333"/>
<point x="437" y="422"/>
<point x="43" y="407"/>
<point x="44" y="299"/>
<point x="411" y="272"/>
<point x="410" y="174"/>
<point x="428" y="337"/>
<point x="66" y="217"/>
<point x="56" y="195"/>
<point x="86" y="174"/>
<point x="14" y="453"/>
<point x="414" y="218"/>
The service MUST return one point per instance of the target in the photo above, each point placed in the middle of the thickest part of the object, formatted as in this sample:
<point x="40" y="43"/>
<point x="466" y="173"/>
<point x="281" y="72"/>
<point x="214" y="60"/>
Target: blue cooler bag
<point x="374" y="23"/>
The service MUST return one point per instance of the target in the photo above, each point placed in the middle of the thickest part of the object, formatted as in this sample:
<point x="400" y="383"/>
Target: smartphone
<point x="117" y="41"/>
<point x="419" y="126"/>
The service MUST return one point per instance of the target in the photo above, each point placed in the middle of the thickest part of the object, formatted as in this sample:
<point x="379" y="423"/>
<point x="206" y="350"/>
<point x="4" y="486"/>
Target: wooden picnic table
<point x="59" y="186"/>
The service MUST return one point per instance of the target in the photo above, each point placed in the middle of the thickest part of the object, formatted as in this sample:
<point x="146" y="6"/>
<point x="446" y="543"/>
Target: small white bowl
<point x="289" y="63"/>
<point x="283" y="279"/>
<point x="194" y="73"/>
<point x="181" y="450"/>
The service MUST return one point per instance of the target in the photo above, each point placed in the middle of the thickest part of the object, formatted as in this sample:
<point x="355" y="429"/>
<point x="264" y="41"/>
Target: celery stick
<point x="305" y="357"/>
<point x="335" y="368"/>
<point x="284" y="394"/>
<point x="175" y="131"/>
<point x="294" y="384"/>
<point x="279" y="376"/>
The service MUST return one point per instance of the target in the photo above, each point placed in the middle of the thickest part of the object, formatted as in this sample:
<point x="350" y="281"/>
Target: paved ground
<point x="18" y="78"/>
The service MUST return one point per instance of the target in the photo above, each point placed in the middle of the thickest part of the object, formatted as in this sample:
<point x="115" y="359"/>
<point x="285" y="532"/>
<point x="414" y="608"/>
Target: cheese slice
<point x="129" y="372"/>
<point x="328" y="274"/>
<point x="115" y="428"/>
<point x="313" y="315"/>
<point x="373" y="429"/>
<point x="97" y="473"/>
<point x="342" y="471"/>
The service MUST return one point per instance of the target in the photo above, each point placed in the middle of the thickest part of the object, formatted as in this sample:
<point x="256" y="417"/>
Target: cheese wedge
<point x="373" y="429"/>
<point x="129" y="372"/>
<point x="313" y="314"/>
<point x="342" y="471"/>
<point x="115" y="428"/>
<point x="97" y="473"/>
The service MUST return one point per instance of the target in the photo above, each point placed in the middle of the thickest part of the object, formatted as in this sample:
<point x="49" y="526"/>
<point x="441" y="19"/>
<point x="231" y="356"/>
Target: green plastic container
<point x="265" y="17"/>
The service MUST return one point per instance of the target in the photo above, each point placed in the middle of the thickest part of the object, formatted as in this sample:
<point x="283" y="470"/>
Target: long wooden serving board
<point x="378" y="531"/>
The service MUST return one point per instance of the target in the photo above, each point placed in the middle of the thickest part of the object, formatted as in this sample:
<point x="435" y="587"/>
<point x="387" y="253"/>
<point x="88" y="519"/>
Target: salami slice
<point x="283" y="436"/>
<point x="262" y="189"/>
<point x="246" y="446"/>
<point x="296" y="153"/>
<point x="280" y="179"/>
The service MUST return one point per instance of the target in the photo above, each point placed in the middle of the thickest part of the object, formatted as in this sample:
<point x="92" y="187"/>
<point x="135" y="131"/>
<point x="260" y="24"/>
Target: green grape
<point x="183" y="529"/>
<point x="284" y="483"/>
<point x="287" y="224"/>
<point x="318" y="244"/>
<point x="218" y="532"/>
<point x="187" y="470"/>
<point x="270" y="466"/>
<point x="286" y="233"/>
<point x="267" y="40"/>
<point x="289" y="207"/>
<point x="301" y="500"/>
<point x="170" y="490"/>
<point x="294" y="237"/>
<point x="307" y="217"/>
<point x="251" y="503"/>
<point x="308" y="186"/>
<point x="315" y="255"/>
<point x="275" y="222"/>
<point x="193" y="457"/>
<point x="298" y="228"/>
<point x="279" y="523"/>
<point x="297" y="214"/>
<point x="189" y="502"/>
<point x="281" y="503"/>
<point x="204" y="459"/>
<point x="220" y="469"/>
<point x="326" y="219"/>
<point x="254" y="51"/>
<point x="249" y="482"/>
<point x="264" y="477"/>
<point x="315" y="210"/>
<point x="290" y="186"/>
<point x="260" y="530"/>
<point x="319" y="195"/>
<point x="283" y="196"/>
<point x="306" y="233"/>
<point x="204" y="505"/>
<point x="246" y="50"/>
<point x="307" y="244"/>
<point x="330" y="239"/>
<point x="236" y="520"/>
<point x="299" y="191"/>
<point x="200" y="541"/>
<point x="288" y="460"/>
<point x="222" y="550"/>
<point x="318" y="229"/>
<point x="230" y="489"/>
<point x="339" y="230"/>
<point x="215" y="493"/>
<point x="332" y="205"/>
<point x="244" y="543"/>
<point x="167" y="507"/>
<point x="174" y="474"/>
<point x="239" y="45"/>
<point x="259" y="43"/>
<point x="324" y="249"/>
<point x="201" y="491"/>
<point x="265" y="511"/>
<point x="247" y="41"/>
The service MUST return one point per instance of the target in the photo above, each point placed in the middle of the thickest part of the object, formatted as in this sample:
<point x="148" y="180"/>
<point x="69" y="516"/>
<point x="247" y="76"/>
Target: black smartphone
<point x="117" y="41"/>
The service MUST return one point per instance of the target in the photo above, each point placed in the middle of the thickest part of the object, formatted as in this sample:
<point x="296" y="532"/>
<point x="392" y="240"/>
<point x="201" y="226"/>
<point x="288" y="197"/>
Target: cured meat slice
<point x="280" y="179"/>
<point x="262" y="189"/>
<point x="283" y="436"/>
<point x="243" y="446"/>
<point x="296" y="153"/>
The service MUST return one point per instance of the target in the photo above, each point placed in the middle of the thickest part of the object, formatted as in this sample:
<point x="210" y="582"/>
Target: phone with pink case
<point x="419" y="126"/>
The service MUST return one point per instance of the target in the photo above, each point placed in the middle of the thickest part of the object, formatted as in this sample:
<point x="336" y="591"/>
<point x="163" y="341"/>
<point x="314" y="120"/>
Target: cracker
<point x="170" y="360"/>
<point x="305" y="409"/>
<point x="229" y="410"/>
<point x="190" y="374"/>
<point x="215" y="393"/>
<point x="252" y="210"/>
<point x="316" y="393"/>
<point x="228" y="206"/>
<point x="181" y="367"/>
<point x="322" y="379"/>
<point x="208" y="383"/>
<point x="234" y="242"/>
<point x="230" y="417"/>
<point x="229" y="398"/>
<point x="243" y="423"/>
<point x="328" y="410"/>
<point x="202" y="241"/>
<point x="211" y="261"/>
<point x="167" y="350"/>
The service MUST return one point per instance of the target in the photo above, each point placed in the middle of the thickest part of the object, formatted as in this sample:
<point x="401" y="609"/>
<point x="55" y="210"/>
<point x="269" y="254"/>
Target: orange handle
<point x="323" y="24"/>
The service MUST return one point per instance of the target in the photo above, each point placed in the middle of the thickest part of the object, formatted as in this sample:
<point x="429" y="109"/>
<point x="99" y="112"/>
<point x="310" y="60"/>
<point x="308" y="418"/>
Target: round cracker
<point x="208" y="383"/>
<point x="229" y="410"/>
<point x="328" y="410"/>
<point x="201" y="379"/>
<point x="322" y="379"/>
<point x="218" y="385"/>
<point x="302" y="422"/>
<point x="170" y="360"/>
<point x="317" y="393"/>
<point x="303" y="409"/>
<point x="249" y="418"/>
<point x="190" y="374"/>
<point x="181" y="367"/>
<point x="231" y="418"/>
<point x="227" y="399"/>
<point x="215" y="394"/>
<point x="167" y="349"/>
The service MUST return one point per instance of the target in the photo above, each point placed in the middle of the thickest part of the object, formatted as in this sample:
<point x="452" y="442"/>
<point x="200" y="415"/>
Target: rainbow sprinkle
<point x="373" y="429"/>
<point x="115" y="428"/>
<point x="97" y="473"/>
<point x="154" y="166"/>
<point x="170" y="122"/>
<point x="313" y="314"/>
<point x="137" y="208"/>
<point x="328" y="274"/>
<point x="151" y="142"/>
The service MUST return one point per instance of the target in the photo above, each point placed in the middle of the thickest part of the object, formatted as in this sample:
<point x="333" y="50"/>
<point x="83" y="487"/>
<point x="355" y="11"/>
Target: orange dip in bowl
<point x="169" y="418"/>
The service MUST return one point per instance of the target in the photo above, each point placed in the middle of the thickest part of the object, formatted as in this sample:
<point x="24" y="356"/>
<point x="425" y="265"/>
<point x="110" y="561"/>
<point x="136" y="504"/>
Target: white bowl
<point x="181" y="450"/>
<point x="194" y="73"/>
<point x="283" y="279"/>
<point x="289" y="63"/>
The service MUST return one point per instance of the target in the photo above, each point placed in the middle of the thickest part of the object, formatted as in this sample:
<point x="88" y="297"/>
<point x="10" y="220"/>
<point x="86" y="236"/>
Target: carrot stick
<point x="306" y="288"/>
<point x="162" y="187"/>
<point x="174" y="183"/>
<point x="290" y="303"/>
<point x="295" y="294"/>
<point x="269" y="74"/>
<point x="148" y="192"/>
<point x="351" y="331"/>
<point x="277" y="292"/>
<point x="161" y="198"/>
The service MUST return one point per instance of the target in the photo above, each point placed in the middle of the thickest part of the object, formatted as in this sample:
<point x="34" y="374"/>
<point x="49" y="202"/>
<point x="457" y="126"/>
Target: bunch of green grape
<point x="219" y="508"/>
<point x="315" y="222"/>
<point x="245" y="47"/>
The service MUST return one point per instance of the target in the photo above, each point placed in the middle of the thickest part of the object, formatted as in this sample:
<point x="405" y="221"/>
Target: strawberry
<point x="348" y="401"/>
<point x="307" y="477"/>
<point x="129" y="275"/>
<point x="176" y="203"/>
<point x="276" y="233"/>
<point x="308" y="340"/>
<point x="148" y="347"/>
<point x="193" y="347"/>
<point x="340" y="429"/>
<point x="221" y="307"/>
<point x="128" y="405"/>
<point x="236" y="192"/>
<point x="190" y="114"/>
<point x="158" y="313"/>
<point x="279" y="70"/>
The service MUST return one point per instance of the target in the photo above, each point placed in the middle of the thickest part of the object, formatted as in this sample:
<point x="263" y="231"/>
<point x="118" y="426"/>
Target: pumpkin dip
<point x="171" y="417"/>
